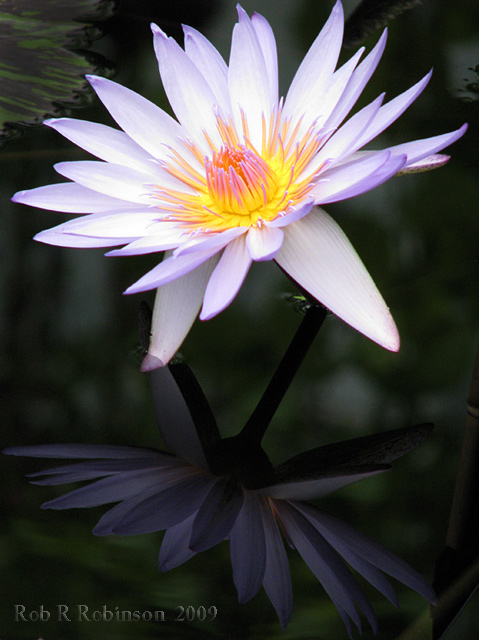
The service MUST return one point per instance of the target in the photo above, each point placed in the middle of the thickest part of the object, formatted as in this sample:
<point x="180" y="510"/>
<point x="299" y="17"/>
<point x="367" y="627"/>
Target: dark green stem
<point x="255" y="428"/>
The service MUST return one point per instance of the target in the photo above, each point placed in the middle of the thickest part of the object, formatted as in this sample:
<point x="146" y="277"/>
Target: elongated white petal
<point x="356" y="84"/>
<point x="248" y="548"/>
<point x="311" y="489"/>
<point x="216" y="516"/>
<point x="175" y="545"/>
<point x="69" y="197"/>
<point x="117" y="223"/>
<point x="326" y="565"/>
<point x="317" y="255"/>
<point x="316" y="70"/>
<point x="267" y="43"/>
<point x="211" y="65"/>
<point x="145" y="123"/>
<point x="207" y="241"/>
<point x="59" y="237"/>
<point x="105" y="143"/>
<point x="277" y="578"/>
<point x="110" y="179"/>
<point x="248" y="81"/>
<point x="226" y="279"/>
<point x="191" y="99"/>
<point x="176" y="306"/>
<point x="372" y="551"/>
<point x="358" y="176"/>
<point x="391" y="111"/>
<point x="419" y="149"/>
<point x="173" y="418"/>
<point x="345" y="141"/>
<point x="263" y="243"/>
<point x="171" y="269"/>
<point x="167" y="237"/>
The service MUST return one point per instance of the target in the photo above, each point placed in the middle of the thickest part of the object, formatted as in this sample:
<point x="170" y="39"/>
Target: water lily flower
<point x="209" y="490"/>
<point x="237" y="178"/>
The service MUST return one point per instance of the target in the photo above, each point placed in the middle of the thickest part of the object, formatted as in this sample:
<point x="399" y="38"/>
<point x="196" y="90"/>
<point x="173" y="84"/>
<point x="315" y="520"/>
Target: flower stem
<point x="255" y="428"/>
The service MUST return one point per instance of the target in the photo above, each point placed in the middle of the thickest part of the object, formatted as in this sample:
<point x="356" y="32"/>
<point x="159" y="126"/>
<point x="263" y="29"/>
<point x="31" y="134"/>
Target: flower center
<point x="241" y="186"/>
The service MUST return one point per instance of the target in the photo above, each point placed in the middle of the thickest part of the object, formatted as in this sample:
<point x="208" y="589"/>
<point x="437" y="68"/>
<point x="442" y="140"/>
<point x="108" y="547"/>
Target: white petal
<point x="267" y="43"/>
<point x="68" y="197"/>
<point x="145" y="123"/>
<point x="358" y="176"/>
<point x="105" y="143"/>
<point x="419" y="149"/>
<point x="317" y="255"/>
<point x="226" y="279"/>
<point x="316" y="70"/>
<point x="173" y="418"/>
<point x="264" y="243"/>
<point x="59" y="238"/>
<point x="345" y="140"/>
<point x="110" y="179"/>
<point x="211" y="65"/>
<point x="113" y="224"/>
<point x="166" y="237"/>
<point x="189" y="94"/>
<point x="248" y="82"/>
<point x="391" y="111"/>
<point x="176" y="307"/>
<point x="170" y="269"/>
<point x="356" y="84"/>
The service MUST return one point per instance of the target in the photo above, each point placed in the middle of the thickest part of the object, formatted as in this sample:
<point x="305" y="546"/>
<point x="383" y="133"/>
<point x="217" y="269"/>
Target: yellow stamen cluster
<point x="242" y="186"/>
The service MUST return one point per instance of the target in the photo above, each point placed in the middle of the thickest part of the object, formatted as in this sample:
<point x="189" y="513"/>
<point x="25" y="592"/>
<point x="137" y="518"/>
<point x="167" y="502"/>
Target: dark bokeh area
<point x="69" y="354"/>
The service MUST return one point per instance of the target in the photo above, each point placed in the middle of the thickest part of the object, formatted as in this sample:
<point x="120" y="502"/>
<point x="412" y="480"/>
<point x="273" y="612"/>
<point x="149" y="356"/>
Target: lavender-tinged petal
<point x="119" y="224"/>
<point x="248" y="548"/>
<point x="317" y="255"/>
<point x="226" y="279"/>
<point x="105" y="143"/>
<point x="377" y="555"/>
<point x="345" y="140"/>
<point x="173" y="418"/>
<point x="169" y="271"/>
<point x="177" y="304"/>
<point x="110" y="179"/>
<point x="174" y="549"/>
<point x="216" y="516"/>
<point x="363" y="173"/>
<point x="360" y="564"/>
<point x="316" y="70"/>
<point x="145" y="123"/>
<point x="292" y="214"/>
<point x="59" y="237"/>
<point x="277" y="577"/>
<point x="391" y="111"/>
<point x="419" y="149"/>
<point x="69" y="197"/>
<point x="316" y="488"/>
<point x="115" y="488"/>
<point x="210" y="63"/>
<point x="248" y="79"/>
<point x="191" y="98"/>
<point x="267" y="42"/>
<point x="356" y="84"/>
<point x="170" y="504"/>
<point x="97" y="468"/>
<point x="326" y="565"/>
<point x="263" y="243"/>
<point x="168" y="237"/>
<point x="326" y="104"/>
<point x="118" y="452"/>
<point x="206" y="241"/>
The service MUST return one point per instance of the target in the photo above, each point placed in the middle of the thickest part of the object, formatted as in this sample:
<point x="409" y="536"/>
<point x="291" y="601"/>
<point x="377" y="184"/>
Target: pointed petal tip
<point x="150" y="363"/>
